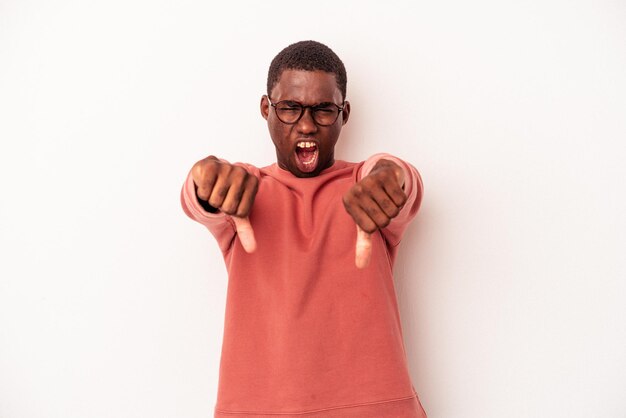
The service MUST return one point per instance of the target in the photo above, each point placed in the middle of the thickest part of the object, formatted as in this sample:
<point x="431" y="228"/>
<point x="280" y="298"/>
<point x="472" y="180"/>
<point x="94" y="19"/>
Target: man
<point x="312" y="327"/>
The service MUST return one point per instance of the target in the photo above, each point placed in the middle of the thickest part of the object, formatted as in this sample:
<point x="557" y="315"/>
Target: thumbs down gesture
<point x="228" y="188"/>
<point x="373" y="202"/>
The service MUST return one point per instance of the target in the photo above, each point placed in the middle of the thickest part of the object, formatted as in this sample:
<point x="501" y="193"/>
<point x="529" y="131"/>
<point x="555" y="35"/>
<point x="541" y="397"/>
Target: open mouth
<point x="307" y="153"/>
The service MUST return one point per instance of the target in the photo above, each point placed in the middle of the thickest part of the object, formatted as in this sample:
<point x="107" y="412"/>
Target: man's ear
<point x="346" y="112"/>
<point x="265" y="107"/>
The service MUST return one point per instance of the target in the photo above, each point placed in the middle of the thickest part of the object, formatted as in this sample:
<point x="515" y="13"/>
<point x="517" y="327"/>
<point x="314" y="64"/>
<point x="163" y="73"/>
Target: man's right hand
<point x="230" y="189"/>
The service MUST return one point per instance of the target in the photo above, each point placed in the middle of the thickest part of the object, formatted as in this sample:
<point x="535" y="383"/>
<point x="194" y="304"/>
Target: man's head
<point x="311" y="75"/>
<point x="307" y="56"/>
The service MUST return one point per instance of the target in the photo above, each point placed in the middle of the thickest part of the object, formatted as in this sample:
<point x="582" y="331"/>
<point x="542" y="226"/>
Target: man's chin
<point x="302" y="174"/>
<point x="296" y="171"/>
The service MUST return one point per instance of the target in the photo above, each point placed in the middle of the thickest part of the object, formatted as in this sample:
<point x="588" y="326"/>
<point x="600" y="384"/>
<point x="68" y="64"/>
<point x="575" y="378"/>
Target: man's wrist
<point x="385" y="164"/>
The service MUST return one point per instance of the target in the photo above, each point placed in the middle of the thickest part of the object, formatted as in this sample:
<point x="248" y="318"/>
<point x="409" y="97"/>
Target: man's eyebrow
<point x="320" y="104"/>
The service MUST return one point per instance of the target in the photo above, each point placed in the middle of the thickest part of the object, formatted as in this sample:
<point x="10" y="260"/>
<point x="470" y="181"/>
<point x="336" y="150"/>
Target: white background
<point x="511" y="280"/>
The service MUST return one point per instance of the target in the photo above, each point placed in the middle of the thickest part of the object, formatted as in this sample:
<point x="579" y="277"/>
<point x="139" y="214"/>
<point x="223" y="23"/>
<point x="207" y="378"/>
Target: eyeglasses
<point x="290" y="112"/>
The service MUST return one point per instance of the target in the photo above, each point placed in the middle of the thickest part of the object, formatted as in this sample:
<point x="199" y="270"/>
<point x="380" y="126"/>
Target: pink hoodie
<point x="306" y="333"/>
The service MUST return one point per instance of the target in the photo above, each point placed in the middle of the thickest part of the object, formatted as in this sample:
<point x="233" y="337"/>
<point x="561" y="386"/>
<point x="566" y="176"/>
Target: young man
<point x="312" y="328"/>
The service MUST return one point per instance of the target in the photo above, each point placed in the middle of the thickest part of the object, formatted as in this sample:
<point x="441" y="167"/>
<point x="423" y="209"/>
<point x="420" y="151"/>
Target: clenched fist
<point x="373" y="202"/>
<point x="230" y="189"/>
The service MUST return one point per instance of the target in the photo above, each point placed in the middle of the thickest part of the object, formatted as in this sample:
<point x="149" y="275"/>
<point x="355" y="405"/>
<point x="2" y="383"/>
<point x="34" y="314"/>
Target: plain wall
<point x="511" y="280"/>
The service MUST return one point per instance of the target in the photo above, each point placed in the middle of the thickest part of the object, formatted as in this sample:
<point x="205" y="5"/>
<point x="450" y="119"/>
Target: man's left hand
<point x="373" y="202"/>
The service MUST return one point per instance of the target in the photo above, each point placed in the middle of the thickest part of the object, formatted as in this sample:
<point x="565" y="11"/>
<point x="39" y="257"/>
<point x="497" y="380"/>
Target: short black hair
<point x="308" y="56"/>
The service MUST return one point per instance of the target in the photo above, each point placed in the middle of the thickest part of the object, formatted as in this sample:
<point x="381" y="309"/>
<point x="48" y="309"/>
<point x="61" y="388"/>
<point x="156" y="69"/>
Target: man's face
<point x="305" y="148"/>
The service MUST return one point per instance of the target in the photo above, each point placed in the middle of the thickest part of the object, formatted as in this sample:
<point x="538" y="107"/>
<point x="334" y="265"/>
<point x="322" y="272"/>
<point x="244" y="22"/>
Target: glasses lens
<point x="325" y="115"/>
<point x="288" y="112"/>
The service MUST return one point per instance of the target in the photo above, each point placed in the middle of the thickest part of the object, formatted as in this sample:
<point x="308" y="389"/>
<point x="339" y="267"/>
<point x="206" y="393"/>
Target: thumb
<point x="363" y="248"/>
<point x="246" y="234"/>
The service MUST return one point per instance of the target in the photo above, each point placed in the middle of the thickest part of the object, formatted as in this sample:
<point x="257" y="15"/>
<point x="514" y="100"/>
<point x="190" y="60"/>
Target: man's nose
<point x="306" y="124"/>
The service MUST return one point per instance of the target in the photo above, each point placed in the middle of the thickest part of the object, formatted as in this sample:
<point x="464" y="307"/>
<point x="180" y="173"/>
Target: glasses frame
<point x="303" y="109"/>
